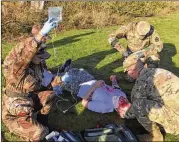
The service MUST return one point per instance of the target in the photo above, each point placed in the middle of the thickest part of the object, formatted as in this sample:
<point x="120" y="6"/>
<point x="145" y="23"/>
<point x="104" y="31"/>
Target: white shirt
<point x="102" y="98"/>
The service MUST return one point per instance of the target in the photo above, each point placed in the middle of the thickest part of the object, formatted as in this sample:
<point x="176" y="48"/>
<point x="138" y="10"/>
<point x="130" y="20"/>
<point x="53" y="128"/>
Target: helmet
<point x="143" y="28"/>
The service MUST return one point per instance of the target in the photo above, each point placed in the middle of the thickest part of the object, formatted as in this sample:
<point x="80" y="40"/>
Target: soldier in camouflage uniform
<point x="23" y="72"/>
<point x="140" y="36"/>
<point x="154" y="99"/>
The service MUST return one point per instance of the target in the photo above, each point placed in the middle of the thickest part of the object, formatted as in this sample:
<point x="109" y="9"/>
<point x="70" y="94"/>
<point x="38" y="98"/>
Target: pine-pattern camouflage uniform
<point x="22" y="97"/>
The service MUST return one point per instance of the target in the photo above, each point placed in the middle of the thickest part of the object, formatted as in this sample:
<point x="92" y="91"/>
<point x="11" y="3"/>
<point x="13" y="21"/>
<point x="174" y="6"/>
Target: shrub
<point x="18" y="17"/>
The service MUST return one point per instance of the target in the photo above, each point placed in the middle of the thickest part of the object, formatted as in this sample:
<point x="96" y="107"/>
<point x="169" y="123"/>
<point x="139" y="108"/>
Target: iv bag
<point x="56" y="13"/>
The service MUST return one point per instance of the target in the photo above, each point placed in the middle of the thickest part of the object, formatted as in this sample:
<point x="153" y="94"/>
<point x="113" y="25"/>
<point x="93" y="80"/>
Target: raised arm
<point x="21" y="55"/>
<point x="116" y="35"/>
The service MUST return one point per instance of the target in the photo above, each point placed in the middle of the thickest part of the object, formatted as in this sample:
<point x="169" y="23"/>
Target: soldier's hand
<point x="48" y="26"/>
<point x="99" y="83"/>
<point x="112" y="41"/>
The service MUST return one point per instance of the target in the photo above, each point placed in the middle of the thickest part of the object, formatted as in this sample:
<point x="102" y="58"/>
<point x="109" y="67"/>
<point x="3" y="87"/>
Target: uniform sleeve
<point x="135" y="95"/>
<point x="119" y="33"/>
<point x="100" y="107"/>
<point x="116" y="35"/>
<point x="141" y="108"/>
<point x="129" y="114"/>
<point x="156" y="43"/>
<point x="20" y="56"/>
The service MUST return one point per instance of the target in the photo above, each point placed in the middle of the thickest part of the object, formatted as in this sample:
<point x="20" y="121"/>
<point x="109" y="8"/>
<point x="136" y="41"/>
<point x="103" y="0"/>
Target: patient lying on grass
<point x="102" y="98"/>
<point x="96" y="95"/>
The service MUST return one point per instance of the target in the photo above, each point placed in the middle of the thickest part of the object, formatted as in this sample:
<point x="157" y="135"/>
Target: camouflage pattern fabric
<point x="145" y="56"/>
<point x="154" y="100"/>
<point x="21" y="75"/>
<point x="24" y="77"/>
<point x="18" y="114"/>
<point x="136" y="42"/>
<point x="78" y="76"/>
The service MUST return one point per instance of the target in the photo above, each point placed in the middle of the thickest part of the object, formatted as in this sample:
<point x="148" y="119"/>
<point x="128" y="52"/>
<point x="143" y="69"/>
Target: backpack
<point x="110" y="133"/>
<point x="70" y="136"/>
<point x="64" y="136"/>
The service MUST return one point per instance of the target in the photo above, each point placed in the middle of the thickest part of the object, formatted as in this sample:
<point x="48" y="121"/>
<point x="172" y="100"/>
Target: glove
<point x="113" y="41"/>
<point x="67" y="78"/>
<point x="50" y="24"/>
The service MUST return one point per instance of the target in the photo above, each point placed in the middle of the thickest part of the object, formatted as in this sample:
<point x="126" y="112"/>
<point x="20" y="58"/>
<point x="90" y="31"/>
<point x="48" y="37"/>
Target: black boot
<point x="66" y="66"/>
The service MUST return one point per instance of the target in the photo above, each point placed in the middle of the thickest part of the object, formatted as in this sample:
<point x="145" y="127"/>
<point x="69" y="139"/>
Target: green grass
<point x="90" y="50"/>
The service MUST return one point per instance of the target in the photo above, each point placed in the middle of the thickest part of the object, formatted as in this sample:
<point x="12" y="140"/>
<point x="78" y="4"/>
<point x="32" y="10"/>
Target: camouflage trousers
<point x="150" y="113"/>
<point x="152" y="61"/>
<point x="19" y="114"/>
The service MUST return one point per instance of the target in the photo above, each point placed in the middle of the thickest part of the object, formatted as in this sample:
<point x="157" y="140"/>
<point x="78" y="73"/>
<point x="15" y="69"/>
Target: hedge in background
<point x="18" y="17"/>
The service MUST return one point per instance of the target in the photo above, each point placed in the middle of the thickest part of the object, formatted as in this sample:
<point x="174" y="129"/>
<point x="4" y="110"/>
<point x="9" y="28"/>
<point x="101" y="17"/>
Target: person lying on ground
<point x="96" y="95"/>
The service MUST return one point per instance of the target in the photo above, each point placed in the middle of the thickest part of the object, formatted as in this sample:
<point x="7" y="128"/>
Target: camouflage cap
<point x="143" y="28"/>
<point x="129" y="61"/>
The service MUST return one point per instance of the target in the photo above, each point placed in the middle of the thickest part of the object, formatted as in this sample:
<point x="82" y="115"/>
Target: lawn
<point x="89" y="49"/>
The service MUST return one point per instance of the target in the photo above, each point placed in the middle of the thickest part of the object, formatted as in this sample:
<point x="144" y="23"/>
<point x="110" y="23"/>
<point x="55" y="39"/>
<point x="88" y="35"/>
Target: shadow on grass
<point x="90" y="63"/>
<point x="166" y="55"/>
<point x="68" y="40"/>
<point x="80" y="118"/>
<point x="86" y="119"/>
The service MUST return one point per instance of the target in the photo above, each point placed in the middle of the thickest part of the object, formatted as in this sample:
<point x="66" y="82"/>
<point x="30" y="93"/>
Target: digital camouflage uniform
<point x="140" y="36"/>
<point x="154" y="99"/>
<point x="22" y="97"/>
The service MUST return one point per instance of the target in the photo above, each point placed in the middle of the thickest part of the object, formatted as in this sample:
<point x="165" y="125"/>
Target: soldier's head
<point x="132" y="66"/>
<point x="144" y="29"/>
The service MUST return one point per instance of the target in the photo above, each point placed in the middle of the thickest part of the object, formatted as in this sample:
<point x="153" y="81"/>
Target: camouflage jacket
<point x="154" y="97"/>
<point x="21" y="75"/>
<point x="134" y="43"/>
